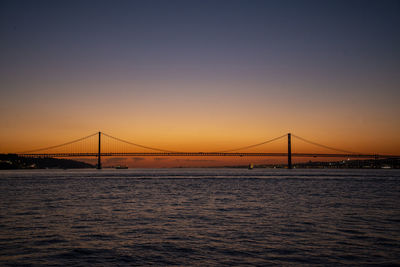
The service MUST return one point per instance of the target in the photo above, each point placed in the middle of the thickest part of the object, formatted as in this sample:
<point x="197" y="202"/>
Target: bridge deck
<point x="207" y="154"/>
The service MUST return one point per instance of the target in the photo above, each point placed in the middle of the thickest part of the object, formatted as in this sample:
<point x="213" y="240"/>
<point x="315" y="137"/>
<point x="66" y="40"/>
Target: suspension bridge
<point x="103" y="145"/>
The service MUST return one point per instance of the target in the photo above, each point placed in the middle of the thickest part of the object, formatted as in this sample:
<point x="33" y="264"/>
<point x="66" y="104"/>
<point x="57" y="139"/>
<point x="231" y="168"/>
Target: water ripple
<point x="201" y="217"/>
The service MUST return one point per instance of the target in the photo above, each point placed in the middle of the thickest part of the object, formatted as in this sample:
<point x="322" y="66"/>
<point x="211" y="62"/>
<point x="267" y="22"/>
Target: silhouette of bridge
<point x="103" y="145"/>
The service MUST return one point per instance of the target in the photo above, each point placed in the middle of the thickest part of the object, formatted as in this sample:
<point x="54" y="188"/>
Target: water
<point x="203" y="217"/>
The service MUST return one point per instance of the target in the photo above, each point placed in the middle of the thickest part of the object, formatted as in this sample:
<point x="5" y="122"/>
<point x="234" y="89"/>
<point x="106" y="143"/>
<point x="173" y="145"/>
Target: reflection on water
<point x="199" y="217"/>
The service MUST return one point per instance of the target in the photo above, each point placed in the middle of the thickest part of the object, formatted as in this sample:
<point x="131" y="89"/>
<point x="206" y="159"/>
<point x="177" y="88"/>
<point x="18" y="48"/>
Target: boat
<point x="121" y="167"/>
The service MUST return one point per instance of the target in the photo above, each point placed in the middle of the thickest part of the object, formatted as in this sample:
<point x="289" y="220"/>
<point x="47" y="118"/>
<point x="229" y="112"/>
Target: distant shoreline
<point x="15" y="162"/>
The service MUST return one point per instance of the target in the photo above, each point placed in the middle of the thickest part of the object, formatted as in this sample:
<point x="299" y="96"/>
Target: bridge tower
<point x="99" y="153"/>
<point x="289" y="152"/>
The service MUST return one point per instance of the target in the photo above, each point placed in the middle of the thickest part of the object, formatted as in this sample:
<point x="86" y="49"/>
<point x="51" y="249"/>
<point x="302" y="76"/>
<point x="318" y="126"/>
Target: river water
<point x="201" y="217"/>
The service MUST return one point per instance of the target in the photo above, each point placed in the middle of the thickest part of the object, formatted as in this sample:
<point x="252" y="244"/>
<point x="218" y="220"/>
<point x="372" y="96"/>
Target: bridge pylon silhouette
<point x="99" y="153"/>
<point x="289" y="151"/>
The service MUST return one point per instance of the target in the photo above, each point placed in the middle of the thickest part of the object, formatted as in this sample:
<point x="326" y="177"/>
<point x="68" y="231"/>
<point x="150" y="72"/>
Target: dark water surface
<point x="199" y="217"/>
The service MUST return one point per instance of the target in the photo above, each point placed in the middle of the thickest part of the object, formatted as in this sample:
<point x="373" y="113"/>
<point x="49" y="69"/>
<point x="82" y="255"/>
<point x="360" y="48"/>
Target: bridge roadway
<point x="206" y="154"/>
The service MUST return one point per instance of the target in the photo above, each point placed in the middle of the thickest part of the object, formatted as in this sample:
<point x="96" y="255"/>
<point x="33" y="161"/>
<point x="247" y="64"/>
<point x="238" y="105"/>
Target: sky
<point x="201" y="75"/>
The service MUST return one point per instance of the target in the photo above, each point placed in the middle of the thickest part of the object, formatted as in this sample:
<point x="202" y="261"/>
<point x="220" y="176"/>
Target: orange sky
<point x="201" y="121"/>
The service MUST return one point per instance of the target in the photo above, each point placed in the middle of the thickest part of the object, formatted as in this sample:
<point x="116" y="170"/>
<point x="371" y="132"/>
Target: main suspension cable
<point x="57" y="146"/>
<point x="324" y="146"/>
<point x="250" y="146"/>
<point x="134" y="144"/>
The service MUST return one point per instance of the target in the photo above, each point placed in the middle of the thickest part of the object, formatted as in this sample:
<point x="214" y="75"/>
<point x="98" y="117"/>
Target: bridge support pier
<point x="99" y="153"/>
<point x="289" y="153"/>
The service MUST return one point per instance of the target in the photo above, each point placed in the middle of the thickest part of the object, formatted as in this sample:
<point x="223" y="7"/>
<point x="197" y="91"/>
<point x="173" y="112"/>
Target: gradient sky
<point x="201" y="75"/>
